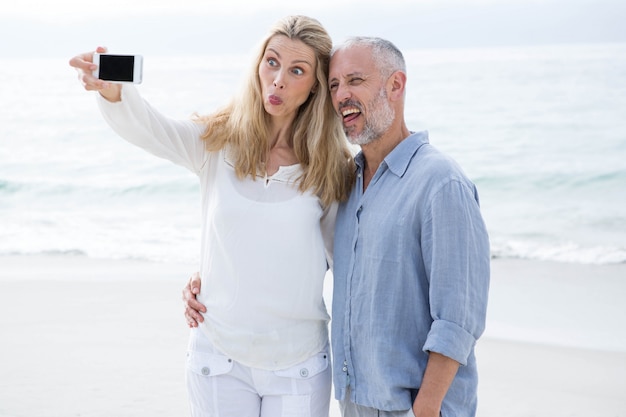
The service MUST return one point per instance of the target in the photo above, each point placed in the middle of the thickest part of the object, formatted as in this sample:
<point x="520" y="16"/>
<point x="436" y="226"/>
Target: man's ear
<point x="396" y="85"/>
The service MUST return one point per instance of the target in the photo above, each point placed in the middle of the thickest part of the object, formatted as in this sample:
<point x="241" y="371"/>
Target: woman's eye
<point x="298" y="71"/>
<point x="272" y="62"/>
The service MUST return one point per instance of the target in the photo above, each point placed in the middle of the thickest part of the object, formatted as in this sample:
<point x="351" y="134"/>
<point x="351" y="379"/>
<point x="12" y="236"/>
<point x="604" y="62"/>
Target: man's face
<point x="358" y="95"/>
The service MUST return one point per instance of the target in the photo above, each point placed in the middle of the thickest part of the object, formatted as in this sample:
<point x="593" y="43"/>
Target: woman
<point x="272" y="165"/>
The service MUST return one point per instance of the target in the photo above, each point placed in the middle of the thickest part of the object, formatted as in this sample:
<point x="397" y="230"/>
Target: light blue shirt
<point x="411" y="275"/>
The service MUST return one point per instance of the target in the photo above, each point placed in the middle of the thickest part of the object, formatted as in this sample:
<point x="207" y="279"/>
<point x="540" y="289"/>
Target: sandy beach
<point x="94" y="338"/>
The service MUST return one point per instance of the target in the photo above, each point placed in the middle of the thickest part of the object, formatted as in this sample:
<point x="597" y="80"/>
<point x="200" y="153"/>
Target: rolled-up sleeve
<point x="457" y="261"/>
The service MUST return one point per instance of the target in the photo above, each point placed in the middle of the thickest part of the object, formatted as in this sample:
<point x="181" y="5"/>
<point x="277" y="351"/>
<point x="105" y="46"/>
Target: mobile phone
<point x="118" y="68"/>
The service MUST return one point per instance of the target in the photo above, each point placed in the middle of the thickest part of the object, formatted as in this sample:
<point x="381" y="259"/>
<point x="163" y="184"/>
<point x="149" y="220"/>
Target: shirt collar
<point x="399" y="158"/>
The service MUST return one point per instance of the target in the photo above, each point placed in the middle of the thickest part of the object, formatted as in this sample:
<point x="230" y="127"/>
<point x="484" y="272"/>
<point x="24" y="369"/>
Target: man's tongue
<point x="350" y="117"/>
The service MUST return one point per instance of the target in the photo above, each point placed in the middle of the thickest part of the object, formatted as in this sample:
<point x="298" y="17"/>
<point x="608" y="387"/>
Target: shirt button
<point x="345" y="369"/>
<point x="205" y="371"/>
<point x="304" y="372"/>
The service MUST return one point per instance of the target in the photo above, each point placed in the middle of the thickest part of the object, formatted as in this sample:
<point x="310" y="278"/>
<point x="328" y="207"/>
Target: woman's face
<point x="287" y="74"/>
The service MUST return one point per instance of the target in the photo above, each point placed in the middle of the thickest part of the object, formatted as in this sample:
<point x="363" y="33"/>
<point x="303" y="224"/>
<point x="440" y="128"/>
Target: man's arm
<point x="193" y="307"/>
<point x="439" y="374"/>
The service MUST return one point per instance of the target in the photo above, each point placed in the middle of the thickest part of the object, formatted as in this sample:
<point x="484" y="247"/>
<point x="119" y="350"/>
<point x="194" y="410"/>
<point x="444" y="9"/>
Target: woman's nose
<point x="278" y="81"/>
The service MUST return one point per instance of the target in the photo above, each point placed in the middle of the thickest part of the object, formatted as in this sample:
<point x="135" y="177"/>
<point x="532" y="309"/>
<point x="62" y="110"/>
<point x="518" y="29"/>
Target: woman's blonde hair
<point x="318" y="139"/>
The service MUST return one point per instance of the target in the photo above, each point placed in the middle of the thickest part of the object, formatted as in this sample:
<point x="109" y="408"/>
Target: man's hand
<point x="439" y="374"/>
<point x="193" y="308"/>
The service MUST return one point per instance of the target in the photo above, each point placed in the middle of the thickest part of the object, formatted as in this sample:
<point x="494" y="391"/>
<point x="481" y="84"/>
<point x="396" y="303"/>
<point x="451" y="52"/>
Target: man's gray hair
<point x="388" y="57"/>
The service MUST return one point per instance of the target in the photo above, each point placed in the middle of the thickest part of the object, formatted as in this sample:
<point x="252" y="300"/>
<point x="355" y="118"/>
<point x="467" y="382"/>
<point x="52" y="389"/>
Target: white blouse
<point x="265" y="246"/>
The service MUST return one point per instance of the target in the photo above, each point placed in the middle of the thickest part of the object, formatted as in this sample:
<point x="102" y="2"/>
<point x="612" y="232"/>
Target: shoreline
<point x="97" y="338"/>
<point x="558" y="304"/>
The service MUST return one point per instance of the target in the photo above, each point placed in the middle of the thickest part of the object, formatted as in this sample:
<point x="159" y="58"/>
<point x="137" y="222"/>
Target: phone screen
<point x="117" y="67"/>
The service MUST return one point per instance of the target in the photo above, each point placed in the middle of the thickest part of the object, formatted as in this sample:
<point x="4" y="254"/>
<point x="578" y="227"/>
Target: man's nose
<point x="342" y="93"/>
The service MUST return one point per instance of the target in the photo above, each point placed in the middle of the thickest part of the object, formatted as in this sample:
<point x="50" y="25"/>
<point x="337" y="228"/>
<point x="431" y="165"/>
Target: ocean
<point x="541" y="130"/>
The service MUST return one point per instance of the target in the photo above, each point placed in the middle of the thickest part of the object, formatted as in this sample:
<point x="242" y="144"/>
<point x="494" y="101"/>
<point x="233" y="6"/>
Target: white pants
<point x="220" y="387"/>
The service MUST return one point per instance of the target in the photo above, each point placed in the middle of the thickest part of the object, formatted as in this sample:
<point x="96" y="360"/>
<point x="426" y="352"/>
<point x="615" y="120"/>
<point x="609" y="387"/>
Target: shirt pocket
<point x="307" y="369"/>
<point x="208" y="364"/>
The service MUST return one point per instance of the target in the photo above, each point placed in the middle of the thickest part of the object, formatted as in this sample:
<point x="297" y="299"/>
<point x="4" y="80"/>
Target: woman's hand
<point x="84" y="65"/>
<point x="193" y="308"/>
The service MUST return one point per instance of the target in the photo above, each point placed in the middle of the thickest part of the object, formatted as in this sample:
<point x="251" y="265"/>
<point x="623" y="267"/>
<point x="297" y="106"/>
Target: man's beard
<point x="377" y="122"/>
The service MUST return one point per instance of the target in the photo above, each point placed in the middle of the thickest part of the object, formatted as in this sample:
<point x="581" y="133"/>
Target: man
<point x="411" y="255"/>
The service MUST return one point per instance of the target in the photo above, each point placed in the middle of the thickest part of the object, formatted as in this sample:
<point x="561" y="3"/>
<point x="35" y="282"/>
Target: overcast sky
<point x="78" y="9"/>
<point x="62" y="27"/>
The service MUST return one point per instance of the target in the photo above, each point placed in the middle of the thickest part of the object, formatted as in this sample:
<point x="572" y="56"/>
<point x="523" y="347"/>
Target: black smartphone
<point x="118" y="68"/>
